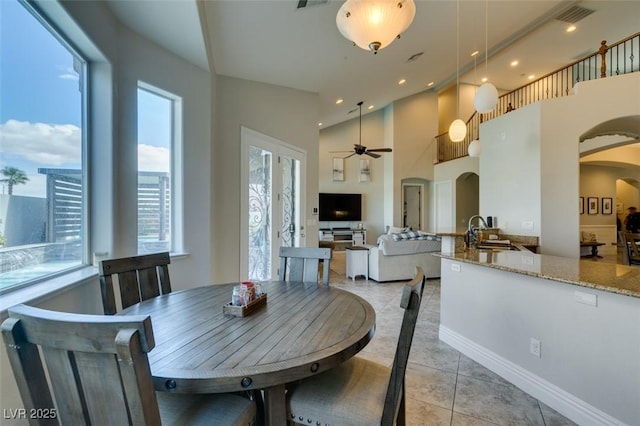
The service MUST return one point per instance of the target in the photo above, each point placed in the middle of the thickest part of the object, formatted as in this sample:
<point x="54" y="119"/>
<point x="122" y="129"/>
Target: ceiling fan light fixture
<point x="374" y="24"/>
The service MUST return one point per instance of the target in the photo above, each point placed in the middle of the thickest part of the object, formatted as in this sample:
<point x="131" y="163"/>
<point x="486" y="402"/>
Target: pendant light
<point x="486" y="97"/>
<point x="474" y="148"/>
<point x="457" y="129"/>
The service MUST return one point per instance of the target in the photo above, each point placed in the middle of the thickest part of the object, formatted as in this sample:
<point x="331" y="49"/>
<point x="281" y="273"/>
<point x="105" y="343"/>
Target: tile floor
<point x="444" y="387"/>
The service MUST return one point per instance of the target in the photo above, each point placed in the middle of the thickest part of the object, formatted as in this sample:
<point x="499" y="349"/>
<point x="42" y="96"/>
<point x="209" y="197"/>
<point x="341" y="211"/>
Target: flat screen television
<point x="340" y="207"/>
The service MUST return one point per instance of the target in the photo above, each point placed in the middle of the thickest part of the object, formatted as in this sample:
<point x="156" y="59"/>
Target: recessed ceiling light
<point x="431" y="83"/>
<point x="339" y="101"/>
<point x="475" y="53"/>
<point x="370" y="107"/>
<point x="485" y="79"/>
<point x="402" y="81"/>
<point x="514" y="63"/>
<point x="531" y="77"/>
<point x="571" y="28"/>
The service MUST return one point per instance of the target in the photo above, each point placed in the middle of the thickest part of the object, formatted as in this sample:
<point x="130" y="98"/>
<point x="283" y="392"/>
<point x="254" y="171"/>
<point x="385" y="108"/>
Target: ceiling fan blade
<point x="340" y="152"/>
<point x="380" y="150"/>
<point x="371" y="154"/>
<point x="350" y="155"/>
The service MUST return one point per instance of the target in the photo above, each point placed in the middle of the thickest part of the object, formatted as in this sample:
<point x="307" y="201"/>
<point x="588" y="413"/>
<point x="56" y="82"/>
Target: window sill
<point x="46" y="289"/>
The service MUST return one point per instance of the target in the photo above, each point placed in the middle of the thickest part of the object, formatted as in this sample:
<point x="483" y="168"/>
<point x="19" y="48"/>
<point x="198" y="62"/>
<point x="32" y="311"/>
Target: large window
<point x="158" y="141"/>
<point x="42" y="188"/>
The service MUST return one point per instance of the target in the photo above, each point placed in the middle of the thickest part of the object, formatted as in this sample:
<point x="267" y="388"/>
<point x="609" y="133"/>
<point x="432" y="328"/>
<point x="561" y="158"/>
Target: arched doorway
<point x="467" y="199"/>
<point x="610" y="170"/>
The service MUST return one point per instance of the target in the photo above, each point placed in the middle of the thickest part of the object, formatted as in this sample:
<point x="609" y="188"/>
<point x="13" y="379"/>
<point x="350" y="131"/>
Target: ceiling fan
<point x="359" y="149"/>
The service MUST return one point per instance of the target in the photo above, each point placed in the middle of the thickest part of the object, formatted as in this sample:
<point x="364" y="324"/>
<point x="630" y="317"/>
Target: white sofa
<point x="393" y="260"/>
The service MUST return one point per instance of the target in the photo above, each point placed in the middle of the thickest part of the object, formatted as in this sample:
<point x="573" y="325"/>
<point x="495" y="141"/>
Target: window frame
<point x="176" y="171"/>
<point x="78" y="56"/>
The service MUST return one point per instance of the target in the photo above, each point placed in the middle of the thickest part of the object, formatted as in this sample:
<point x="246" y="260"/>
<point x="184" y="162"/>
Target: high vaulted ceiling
<point x="272" y="41"/>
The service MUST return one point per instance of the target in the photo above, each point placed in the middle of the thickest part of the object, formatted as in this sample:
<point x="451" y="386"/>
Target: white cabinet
<point x="357" y="262"/>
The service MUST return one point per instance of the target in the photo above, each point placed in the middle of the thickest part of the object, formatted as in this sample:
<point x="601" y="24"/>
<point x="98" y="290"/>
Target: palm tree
<point x="14" y="176"/>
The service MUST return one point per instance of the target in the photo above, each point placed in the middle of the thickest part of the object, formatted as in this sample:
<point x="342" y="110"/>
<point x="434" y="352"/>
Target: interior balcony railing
<point x="622" y="57"/>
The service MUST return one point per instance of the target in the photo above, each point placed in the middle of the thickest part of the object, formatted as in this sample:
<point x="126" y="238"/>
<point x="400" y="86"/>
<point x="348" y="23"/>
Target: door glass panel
<point x="260" y="197"/>
<point x="290" y="225"/>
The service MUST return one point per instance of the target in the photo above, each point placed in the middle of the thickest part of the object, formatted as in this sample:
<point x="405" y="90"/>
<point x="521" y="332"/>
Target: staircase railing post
<point x="603" y="52"/>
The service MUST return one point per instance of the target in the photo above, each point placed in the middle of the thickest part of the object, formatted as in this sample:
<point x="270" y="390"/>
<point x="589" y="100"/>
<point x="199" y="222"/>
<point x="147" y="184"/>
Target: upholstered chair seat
<point x="351" y="394"/>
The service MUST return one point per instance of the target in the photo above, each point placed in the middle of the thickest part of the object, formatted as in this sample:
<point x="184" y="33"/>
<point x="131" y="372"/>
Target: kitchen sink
<point x="496" y="247"/>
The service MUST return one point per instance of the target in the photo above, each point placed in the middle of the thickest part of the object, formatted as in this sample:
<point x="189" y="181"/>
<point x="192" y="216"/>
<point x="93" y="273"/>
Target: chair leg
<point x="401" y="420"/>
<point x="256" y="396"/>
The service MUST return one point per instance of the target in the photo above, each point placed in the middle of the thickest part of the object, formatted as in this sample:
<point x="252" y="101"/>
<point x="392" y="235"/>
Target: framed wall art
<point x="607" y="205"/>
<point x="365" y="170"/>
<point x="592" y="205"/>
<point x="581" y="205"/>
<point x="338" y="169"/>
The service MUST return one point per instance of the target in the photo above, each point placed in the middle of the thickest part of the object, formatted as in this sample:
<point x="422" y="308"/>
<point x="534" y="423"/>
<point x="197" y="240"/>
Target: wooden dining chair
<point x="360" y="391"/>
<point x="76" y="369"/>
<point x="139" y="278"/>
<point x="302" y="264"/>
<point x="632" y="245"/>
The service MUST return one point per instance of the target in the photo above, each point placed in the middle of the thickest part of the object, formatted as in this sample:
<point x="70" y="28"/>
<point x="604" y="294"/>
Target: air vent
<point x="308" y="3"/>
<point x="574" y="14"/>
<point x="414" y="56"/>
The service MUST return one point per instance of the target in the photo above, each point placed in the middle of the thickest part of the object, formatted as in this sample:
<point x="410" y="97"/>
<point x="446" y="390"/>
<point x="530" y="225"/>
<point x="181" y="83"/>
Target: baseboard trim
<point x="560" y="400"/>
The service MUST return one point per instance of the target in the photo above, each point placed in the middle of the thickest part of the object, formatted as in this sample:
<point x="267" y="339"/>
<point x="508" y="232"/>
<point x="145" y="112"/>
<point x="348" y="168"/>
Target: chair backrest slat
<point x="139" y="278"/>
<point x="97" y="365"/>
<point x="410" y="301"/>
<point x="61" y="366"/>
<point x="302" y="264"/>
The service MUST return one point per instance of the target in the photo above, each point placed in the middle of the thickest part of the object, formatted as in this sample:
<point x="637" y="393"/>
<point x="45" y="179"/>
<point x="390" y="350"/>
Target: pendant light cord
<point x="360" y="137"/>
<point x="458" y="57"/>
<point x="486" y="38"/>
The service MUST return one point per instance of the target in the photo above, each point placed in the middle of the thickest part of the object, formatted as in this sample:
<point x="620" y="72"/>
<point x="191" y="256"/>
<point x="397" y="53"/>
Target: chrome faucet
<point x="472" y="233"/>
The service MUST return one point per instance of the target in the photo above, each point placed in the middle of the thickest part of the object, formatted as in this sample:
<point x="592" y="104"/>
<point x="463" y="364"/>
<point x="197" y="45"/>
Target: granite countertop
<point x="609" y="277"/>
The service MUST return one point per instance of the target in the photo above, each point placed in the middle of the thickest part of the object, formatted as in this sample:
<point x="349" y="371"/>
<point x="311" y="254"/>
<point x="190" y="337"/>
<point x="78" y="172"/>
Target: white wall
<point x="510" y="170"/>
<point x="285" y="114"/>
<point x="408" y="127"/>
<point x="341" y="137"/>
<point x="414" y="128"/>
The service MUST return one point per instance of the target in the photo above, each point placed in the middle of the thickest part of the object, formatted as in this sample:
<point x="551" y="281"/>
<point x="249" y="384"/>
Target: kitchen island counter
<point x="603" y="276"/>
<point x="563" y="330"/>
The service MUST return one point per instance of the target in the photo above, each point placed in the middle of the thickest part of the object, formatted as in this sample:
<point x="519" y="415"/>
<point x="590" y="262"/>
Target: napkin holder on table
<point x="245" y="310"/>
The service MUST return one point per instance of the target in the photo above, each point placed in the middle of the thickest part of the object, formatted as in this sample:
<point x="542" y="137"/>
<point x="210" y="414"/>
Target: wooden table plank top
<point x="303" y="329"/>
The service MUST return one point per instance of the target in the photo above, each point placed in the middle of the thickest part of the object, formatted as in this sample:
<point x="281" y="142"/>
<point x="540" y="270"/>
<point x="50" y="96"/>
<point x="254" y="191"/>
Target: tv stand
<point x="339" y="238"/>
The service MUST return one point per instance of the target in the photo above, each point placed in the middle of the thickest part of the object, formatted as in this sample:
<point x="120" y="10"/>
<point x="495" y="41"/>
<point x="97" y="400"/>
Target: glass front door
<point x="272" y="182"/>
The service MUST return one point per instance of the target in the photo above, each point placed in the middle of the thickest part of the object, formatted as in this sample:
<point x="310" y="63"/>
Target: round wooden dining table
<point x="303" y="329"/>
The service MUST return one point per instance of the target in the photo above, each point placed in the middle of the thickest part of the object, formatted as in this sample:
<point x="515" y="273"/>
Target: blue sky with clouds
<point x="40" y="105"/>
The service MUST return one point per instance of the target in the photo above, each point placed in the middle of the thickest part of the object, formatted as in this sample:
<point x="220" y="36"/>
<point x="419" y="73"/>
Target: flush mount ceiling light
<point x="374" y="24"/>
